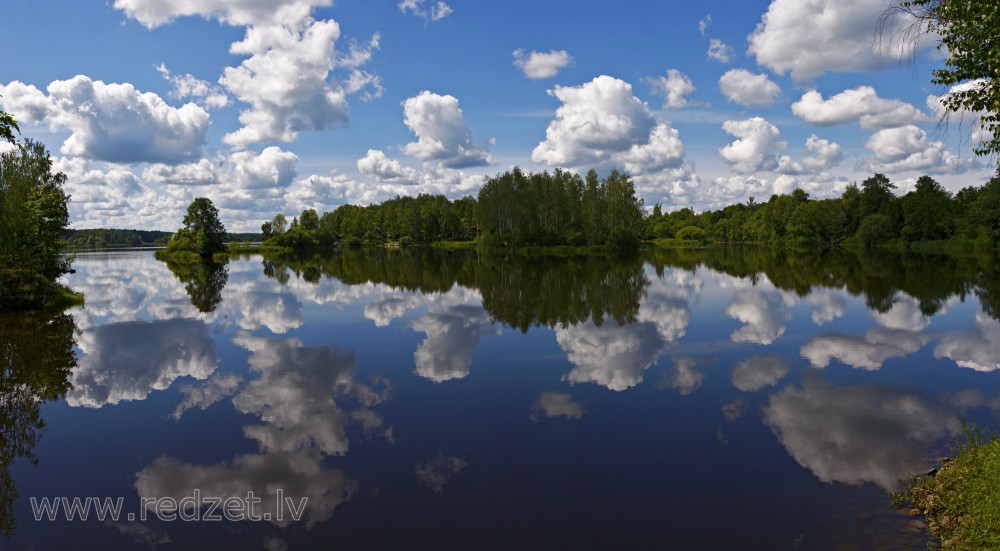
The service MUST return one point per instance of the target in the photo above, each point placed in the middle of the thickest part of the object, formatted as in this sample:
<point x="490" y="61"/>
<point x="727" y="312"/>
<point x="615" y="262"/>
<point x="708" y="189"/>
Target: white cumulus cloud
<point x="748" y="89"/>
<point x="111" y="122"/>
<point x="187" y="85"/>
<point x="754" y="150"/>
<point x="602" y="124"/>
<point x="377" y="165"/>
<point x="285" y="80"/>
<point x="674" y="88"/>
<point x="154" y="13"/>
<point x="861" y="104"/>
<point x="442" y="134"/>
<point x="720" y="51"/>
<point x="811" y="37"/>
<point x="538" y="65"/>
<point x="909" y="148"/>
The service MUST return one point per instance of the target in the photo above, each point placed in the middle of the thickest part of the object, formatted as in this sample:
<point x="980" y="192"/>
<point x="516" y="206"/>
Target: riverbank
<point x="960" y="500"/>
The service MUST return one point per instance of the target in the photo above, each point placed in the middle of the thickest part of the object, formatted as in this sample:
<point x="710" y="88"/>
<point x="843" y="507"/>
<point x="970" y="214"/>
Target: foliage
<point x="970" y="34"/>
<point x="562" y="208"/>
<point x="7" y="127"/>
<point x="203" y="233"/>
<point x="33" y="220"/>
<point x="870" y="215"/>
<point x="103" y="238"/>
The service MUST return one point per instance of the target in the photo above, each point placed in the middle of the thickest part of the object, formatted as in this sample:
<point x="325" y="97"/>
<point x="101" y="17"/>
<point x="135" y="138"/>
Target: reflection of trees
<point x="519" y="290"/>
<point x="203" y="282"/>
<point x="36" y="357"/>
<point x="878" y="275"/>
<point x="522" y="291"/>
<point x="414" y="270"/>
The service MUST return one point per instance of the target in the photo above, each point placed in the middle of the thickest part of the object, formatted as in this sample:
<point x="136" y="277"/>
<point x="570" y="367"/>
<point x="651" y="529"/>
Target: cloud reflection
<point x="764" y="313"/>
<point x="858" y="434"/>
<point x="977" y="348"/>
<point x="612" y="355"/>
<point x="758" y="372"/>
<point x="437" y="471"/>
<point x="868" y="353"/>
<point x="556" y="404"/>
<point x="126" y="361"/>
<point x="294" y="397"/>
<point x="452" y="337"/>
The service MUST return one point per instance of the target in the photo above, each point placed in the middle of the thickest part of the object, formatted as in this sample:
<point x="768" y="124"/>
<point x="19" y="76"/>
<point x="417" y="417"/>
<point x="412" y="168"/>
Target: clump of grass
<point x="961" y="499"/>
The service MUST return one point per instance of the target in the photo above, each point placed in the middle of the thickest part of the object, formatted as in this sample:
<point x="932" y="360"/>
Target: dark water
<point x="728" y="399"/>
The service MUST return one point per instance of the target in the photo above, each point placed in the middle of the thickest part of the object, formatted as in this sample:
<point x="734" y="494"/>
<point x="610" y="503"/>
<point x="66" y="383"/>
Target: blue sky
<point x="281" y="105"/>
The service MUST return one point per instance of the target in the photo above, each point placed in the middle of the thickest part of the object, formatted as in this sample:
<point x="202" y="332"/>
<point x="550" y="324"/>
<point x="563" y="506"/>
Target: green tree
<point x="33" y="221"/>
<point x="203" y="233"/>
<point x="7" y="127"/>
<point x="876" y="195"/>
<point x="202" y="220"/>
<point x="279" y="224"/>
<point x="927" y="212"/>
<point x="309" y="220"/>
<point x="970" y="34"/>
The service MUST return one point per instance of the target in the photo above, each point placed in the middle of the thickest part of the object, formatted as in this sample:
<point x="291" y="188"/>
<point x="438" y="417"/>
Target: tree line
<point x="512" y="208"/>
<point x="563" y="208"/>
<point x="107" y="238"/>
<point x="865" y="215"/>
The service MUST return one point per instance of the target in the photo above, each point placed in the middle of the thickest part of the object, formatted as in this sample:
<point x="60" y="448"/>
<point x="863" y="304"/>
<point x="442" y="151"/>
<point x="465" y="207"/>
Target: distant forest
<point x="513" y="208"/>
<point x="868" y="215"/>
<point x="81" y="240"/>
<point x="562" y="208"/>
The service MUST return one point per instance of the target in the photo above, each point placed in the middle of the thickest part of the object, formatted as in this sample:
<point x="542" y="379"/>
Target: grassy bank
<point x="961" y="499"/>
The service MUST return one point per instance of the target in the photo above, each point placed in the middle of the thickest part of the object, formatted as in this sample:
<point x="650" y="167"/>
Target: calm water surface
<point x="729" y="399"/>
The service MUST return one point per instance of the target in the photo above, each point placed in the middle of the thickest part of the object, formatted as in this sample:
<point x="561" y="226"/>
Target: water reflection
<point x="859" y="433"/>
<point x="128" y="360"/>
<point x="203" y="282"/>
<point x="452" y="337"/>
<point x="556" y="404"/>
<point x="975" y="348"/>
<point x="293" y="393"/>
<point x="758" y="371"/>
<point x="437" y="471"/>
<point x="684" y="377"/>
<point x="612" y="355"/>
<point x="36" y="359"/>
<point x="737" y="336"/>
<point x="868" y="352"/>
<point x="763" y="313"/>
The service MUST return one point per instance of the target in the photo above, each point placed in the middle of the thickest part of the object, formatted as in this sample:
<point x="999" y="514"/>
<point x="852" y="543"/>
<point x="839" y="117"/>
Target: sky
<point x="269" y="106"/>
